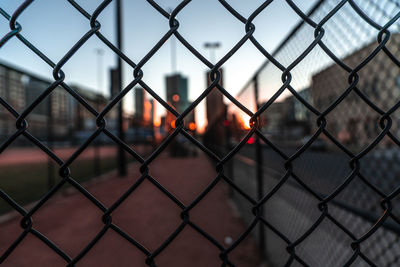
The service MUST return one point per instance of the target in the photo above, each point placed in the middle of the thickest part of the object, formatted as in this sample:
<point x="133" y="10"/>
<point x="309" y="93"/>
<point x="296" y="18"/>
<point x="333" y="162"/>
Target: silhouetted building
<point x="139" y="94"/>
<point x="216" y="134"/>
<point x="21" y="88"/>
<point x="177" y="96"/>
<point x="148" y="116"/>
<point x="214" y="101"/>
<point x="162" y="124"/>
<point x="84" y="120"/>
<point x="190" y="121"/>
<point x="177" y="91"/>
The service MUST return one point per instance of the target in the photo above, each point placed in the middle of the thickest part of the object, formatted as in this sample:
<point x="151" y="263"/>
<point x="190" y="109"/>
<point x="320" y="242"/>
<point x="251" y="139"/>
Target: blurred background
<point x="173" y="73"/>
<point x="178" y="77"/>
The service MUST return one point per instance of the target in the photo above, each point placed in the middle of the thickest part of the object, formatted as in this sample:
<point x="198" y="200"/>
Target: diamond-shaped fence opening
<point x="303" y="159"/>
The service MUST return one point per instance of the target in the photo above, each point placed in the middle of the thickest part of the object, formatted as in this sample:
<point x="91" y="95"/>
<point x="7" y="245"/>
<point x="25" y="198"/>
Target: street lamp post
<point x="212" y="46"/>
<point x="122" y="171"/>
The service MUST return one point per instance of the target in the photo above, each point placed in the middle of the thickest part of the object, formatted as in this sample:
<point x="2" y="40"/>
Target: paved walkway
<point x="71" y="221"/>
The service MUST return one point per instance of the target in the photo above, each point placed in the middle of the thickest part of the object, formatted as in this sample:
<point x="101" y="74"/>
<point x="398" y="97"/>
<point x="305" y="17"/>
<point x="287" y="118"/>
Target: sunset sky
<point x="54" y="26"/>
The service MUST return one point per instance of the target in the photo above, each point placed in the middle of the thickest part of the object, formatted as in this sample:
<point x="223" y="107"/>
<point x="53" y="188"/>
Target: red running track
<point x="15" y="156"/>
<point x="71" y="221"/>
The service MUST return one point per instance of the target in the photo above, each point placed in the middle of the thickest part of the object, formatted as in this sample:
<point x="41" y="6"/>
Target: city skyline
<point x="282" y="162"/>
<point x="60" y="36"/>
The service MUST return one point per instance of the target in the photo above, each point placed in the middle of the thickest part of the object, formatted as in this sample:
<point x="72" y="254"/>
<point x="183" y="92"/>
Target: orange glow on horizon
<point x="201" y="124"/>
<point x="200" y="117"/>
<point x="245" y="121"/>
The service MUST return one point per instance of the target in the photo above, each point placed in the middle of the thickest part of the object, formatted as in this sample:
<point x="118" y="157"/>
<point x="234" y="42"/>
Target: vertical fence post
<point x="259" y="171"/>
<point x="50" y="140"/>
<point x="121" y="153"/>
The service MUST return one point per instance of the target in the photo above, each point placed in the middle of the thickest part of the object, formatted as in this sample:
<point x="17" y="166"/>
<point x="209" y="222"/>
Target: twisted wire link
<point x="289" y="176"/>
<point x="385" y="124"/>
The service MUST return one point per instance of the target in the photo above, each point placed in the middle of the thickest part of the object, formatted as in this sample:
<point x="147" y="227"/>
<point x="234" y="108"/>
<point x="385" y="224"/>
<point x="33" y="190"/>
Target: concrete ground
<point x="71" y="221"/>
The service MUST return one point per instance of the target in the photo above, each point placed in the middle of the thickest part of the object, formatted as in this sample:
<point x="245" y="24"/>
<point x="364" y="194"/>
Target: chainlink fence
<point x="312" y="150"/>
<point x="329" y="97"/>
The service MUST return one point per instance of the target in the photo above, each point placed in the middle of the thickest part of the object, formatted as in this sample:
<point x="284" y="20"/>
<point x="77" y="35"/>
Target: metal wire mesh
<point x="340" y="94"/>
<point x="286" y="71"/>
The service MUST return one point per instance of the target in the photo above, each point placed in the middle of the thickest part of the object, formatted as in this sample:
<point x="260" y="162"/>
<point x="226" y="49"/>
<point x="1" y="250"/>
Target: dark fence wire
<point x="350" y="72"/>
<point x="259" y="218"/>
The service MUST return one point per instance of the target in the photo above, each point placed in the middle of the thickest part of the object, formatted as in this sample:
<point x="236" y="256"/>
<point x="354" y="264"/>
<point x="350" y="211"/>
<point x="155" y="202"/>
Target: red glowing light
<point x="251" y="140"/>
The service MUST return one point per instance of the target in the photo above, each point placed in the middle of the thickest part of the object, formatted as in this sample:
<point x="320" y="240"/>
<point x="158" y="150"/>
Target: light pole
<point x="122" y="171"/>
<point x="173" y="51"/>
<point x="212" y="46"/>
<point x="100" y="53"/>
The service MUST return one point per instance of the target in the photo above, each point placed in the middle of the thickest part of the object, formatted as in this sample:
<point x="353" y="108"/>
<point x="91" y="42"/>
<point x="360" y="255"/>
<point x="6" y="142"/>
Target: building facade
<point x="177" y="96"/>
<point x="214" y="101"/>
<point x="67" y="117"/>
<point x="177" y="91"/>
<point x="139" y="94"/>
<point x="217" y="132"/>
<point x="354" y="122"/>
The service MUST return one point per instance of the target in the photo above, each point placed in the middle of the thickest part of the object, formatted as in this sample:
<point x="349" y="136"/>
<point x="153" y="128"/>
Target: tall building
<point x="177" y="95"/>
<point x="20" y="89"/>
<point x="177" y="91"/>
<point x="214" y="101"/>
<point x="139" y="94"/>
<point x="216" y="131"/>
<point x="85" y="120"/>
<point x="152" y="110"/>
